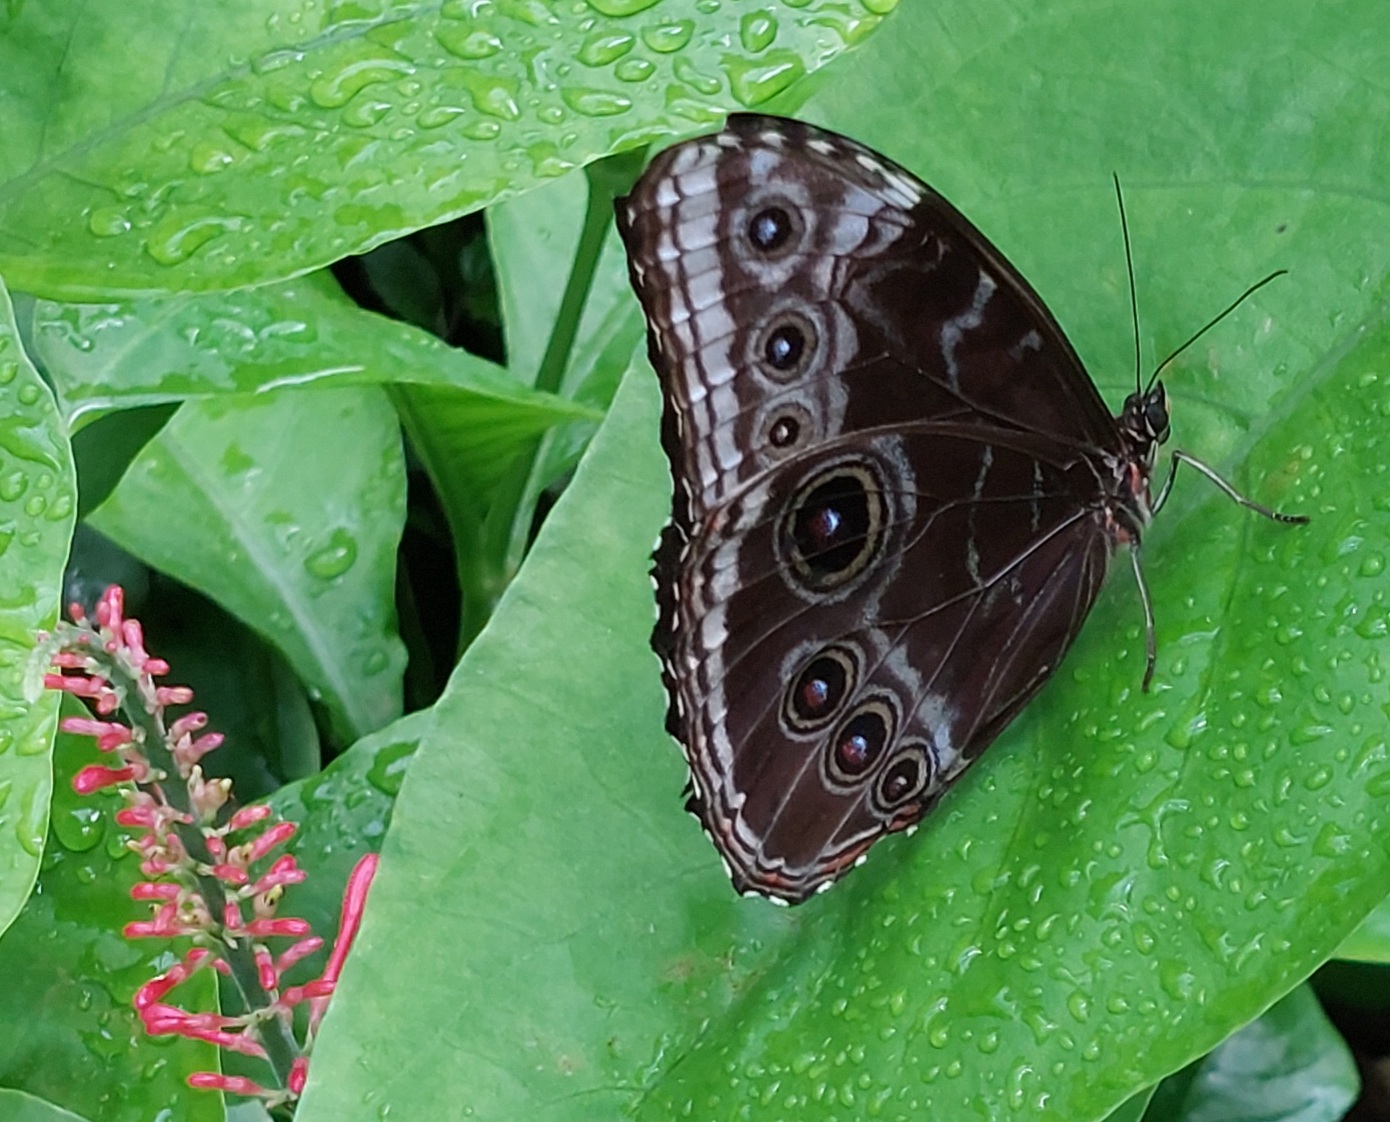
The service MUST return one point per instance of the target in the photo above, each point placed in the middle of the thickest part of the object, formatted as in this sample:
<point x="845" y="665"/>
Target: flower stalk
<point x="211" y="876"/>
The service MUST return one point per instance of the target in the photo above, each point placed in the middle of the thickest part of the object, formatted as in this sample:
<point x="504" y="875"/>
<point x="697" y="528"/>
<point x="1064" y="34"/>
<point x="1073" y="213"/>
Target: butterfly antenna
<point x="1129" y="264"/>
<point x="1231" y="307"/>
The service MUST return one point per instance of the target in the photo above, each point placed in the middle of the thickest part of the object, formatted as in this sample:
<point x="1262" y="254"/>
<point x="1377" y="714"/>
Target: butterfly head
<point x="1144" y="420"/>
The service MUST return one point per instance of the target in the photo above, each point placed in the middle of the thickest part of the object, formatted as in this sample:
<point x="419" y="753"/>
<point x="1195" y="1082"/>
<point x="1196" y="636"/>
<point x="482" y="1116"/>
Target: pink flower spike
<point x="249" y="815"/>
<point x="267" y="928"/>
<point x="188" y="723"/>
<point x="299" y="1074"/>
<point x="147" y="890"/>
<point x="229" y="1084"/>
<point x="172" y="695"/>
<point x="278" y="834"/>
<point x="94" y="777"/>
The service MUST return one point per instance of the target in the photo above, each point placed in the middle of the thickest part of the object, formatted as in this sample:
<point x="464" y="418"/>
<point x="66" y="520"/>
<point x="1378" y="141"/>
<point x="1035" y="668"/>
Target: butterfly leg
<point x="1231" y="492"/>
<point x="1150" y="643"/>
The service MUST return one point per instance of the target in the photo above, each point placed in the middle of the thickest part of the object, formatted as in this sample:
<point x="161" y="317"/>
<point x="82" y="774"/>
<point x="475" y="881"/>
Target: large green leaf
<point x="249" y="142"/>
<point x="286" y="509"/>
<point x="1125" y="878"/>
<point x="37" y="507"/>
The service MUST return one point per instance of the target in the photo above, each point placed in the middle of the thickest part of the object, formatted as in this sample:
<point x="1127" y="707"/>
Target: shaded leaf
<point x="1290" y="1065"/>
<point x="286" y="509"/>
<point x="1371" y="941"/>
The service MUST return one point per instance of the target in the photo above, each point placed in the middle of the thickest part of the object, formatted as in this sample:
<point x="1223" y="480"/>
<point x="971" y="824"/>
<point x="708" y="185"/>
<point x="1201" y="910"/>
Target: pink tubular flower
<point x="354" y="902"/>
<point x="94" y="777"/>
<point x="277" y="835"/>
<point x="109" y="734"/>
<point x="249" y="816"/>
<point x="229" y="1084"/>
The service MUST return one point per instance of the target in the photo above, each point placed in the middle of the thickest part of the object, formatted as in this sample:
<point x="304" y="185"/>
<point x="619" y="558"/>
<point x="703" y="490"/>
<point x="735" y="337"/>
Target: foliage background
<point x="1123" y="881"/>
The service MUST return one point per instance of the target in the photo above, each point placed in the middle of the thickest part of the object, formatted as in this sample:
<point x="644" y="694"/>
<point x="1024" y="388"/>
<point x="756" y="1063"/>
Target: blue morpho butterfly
<point x="897" y="491"/>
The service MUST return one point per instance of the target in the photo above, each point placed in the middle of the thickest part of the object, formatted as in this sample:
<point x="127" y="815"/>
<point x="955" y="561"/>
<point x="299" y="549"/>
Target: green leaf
<point x="71" y="1034"/>
<point x="1132" y="1109"/>
<point x="37" y="505"/>
<point x="305" y="332"/>
<point x="1288" y="1066"/>
<point x="1371" y="941"/>
<point x="1124" y="878"/>
<point x="16" y="1106"/>
<point x="286" y="509"/>
<point x="246" y="145"/>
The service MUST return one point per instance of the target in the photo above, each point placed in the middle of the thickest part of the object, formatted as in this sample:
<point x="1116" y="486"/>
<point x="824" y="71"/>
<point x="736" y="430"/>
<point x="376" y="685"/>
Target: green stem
<point x="507" y="529"/>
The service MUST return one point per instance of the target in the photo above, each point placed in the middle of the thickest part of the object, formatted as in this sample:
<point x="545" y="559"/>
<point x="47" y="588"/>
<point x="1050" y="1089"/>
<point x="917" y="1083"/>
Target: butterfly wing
<point x="887" y="518"/>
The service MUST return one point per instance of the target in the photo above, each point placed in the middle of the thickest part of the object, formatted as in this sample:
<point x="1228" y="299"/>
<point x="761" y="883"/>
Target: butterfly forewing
<point x="893" y="490"/>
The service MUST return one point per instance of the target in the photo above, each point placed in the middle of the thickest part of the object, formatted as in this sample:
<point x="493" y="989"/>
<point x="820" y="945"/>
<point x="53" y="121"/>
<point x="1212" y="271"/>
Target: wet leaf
<point x="37" y="507"/>
<point x="72" y="1036"/>
<point x="1124" y="879"/>
<point x="280" y="137"/>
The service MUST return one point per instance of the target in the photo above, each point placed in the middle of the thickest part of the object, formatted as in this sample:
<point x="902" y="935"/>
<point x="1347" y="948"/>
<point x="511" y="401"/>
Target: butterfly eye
<point x="1156" y="414"/>
<point x="820" y="690"/>
<point x="860" y="742"/>
<point x="835" y="526"/>
<point x="904" y="779"/>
